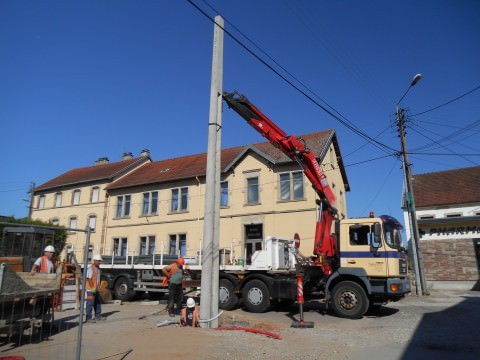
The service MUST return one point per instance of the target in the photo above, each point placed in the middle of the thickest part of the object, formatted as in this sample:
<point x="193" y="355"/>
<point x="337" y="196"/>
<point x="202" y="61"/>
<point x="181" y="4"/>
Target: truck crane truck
<point x="361" y="264"/>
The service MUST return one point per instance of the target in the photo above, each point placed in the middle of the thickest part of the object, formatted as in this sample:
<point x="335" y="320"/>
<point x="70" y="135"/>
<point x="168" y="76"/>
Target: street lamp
<point x="421" y="286"/>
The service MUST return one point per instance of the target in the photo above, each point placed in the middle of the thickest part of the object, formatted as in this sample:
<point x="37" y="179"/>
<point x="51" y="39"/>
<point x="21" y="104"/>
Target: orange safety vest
<point x="92" y="282"/>
<point x="43" y="268"/>
<point x="173" y="269"/>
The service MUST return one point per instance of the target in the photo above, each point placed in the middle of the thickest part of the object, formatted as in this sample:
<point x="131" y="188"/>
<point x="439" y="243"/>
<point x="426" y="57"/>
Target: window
<point x="178" y="244"/>
<point x="120" y="246"/>
<point x="92" y="222"/>
<point x="453" y="215"/>
<point x="291" y="186"/>
<point x="150" y="203"/>
<point x="55" y="222"/>
<point x="94" y="196"/>
<point x="252" y="190"/>
<point x="147" y="245"/>
<point x="76" y="197"/>
<point x="179" y="200"/>
<point x="123" y="206"/>
<point x="72" y="224"/>
<point x="423" y="217"/>
<point x="224" y="194"/>
<point x="41" y="202"/>
<point x="58" y="199"/>
<point x="360" y="235"/>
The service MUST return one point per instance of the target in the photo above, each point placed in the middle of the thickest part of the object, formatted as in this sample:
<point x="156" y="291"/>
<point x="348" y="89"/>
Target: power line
<point x="448" y="102"/>
<point x="443" y="146"/>
<point x="346" y="123"/>
<point x="448" y="137"/>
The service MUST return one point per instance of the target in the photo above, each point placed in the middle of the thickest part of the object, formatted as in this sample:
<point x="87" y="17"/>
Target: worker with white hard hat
<point x="44" y="264"/>
<point x="189" y="315"/>
<point x="92" y="287"/>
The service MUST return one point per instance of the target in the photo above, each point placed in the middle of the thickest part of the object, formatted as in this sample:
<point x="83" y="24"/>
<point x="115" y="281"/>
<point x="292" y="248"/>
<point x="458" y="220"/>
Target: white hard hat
<point x="97" y="257"/>
<point x="190" y="303"/>
<point x="49" y="248"/>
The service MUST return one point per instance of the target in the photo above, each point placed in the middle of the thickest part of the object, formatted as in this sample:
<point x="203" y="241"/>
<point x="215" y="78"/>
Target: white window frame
<point x="58" y="199"/>
<point x="122" y="248"/>
<point x="249" y="187"/>
<point x="92" y="221"/>
<point x="177" y="238"/>
<point x="121" y="208"/>
<point x="76" y="197"/>
<point x="148" y="202"/>
<point x="182" y="196"/>
<point x="95" y="194"/>
<point x="41" y="202"/>
<point x="148" y="240"/>
<point x="291" y="186"/>
<point x="224" y="191"/>
<point x="73" y="223"/>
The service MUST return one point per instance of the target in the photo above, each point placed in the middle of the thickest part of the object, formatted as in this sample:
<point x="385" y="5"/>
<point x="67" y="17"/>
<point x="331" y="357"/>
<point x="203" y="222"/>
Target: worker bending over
<point x="189" y="316"/>
<point x="174" y="276"/>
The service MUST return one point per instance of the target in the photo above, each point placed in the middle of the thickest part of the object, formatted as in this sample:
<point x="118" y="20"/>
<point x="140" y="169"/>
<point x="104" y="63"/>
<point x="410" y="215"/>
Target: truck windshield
<point x="393" y="232"/>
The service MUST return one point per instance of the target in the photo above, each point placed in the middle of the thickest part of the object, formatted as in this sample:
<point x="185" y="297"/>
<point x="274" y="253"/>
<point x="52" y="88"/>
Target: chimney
<point x="127" y="156"/>
<point x="102" y="161"/>
<point x="145" y="152"/>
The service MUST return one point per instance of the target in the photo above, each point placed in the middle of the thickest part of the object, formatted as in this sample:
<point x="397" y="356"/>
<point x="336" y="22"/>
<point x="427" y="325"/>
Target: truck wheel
<point x="349" y="300"/>
<point x="227" y="298"/>
<point x="256" y="296"/>
<point x="123" y="289"/>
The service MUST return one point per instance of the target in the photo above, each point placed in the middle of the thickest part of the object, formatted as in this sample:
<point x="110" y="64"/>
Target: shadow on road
<point x="448" y="334"/>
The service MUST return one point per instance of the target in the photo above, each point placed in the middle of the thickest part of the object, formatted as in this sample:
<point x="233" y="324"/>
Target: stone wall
<point x="450" y="260"/>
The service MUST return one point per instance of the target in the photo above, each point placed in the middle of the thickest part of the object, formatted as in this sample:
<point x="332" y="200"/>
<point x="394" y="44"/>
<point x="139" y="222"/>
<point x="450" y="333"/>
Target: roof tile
<point x="458" y="186"/>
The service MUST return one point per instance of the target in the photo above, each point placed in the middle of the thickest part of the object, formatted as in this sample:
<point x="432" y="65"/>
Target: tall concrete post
<point x="210" y="248"/>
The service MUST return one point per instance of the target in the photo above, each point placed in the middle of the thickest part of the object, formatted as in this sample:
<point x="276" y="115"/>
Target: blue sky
<point x="83" y="80"/>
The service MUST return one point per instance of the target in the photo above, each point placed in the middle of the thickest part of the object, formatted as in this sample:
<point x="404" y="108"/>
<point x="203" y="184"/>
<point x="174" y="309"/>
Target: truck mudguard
<point x="357" y="273"/>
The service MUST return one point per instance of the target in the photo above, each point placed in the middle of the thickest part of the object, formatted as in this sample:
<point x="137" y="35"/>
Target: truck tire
<point x="123" y="289"/>
<point x="256" y="296"/>
<point x="227" y="298"/>
<point x="349" y="300"/>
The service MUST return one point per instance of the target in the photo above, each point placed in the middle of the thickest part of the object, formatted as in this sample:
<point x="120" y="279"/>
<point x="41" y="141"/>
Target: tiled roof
<point x="93" y="173"/>
<point x="195" y="165"/>
<point x="459" y="186"/>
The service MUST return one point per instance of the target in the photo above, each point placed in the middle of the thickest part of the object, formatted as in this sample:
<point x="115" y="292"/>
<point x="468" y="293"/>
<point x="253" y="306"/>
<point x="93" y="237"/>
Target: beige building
<point x="144" y="207"/>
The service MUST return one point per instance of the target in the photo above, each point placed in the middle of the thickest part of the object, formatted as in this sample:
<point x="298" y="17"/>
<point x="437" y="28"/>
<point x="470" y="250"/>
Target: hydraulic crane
<point x="295" y="148"/>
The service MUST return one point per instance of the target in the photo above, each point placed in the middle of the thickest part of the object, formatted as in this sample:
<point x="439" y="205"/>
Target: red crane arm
<point x="291" y="146"/>
<point x="296" y="150"/>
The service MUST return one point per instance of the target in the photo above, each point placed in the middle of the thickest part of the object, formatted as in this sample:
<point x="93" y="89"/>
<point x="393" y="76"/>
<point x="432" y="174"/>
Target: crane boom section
<point x="291" y="146"/>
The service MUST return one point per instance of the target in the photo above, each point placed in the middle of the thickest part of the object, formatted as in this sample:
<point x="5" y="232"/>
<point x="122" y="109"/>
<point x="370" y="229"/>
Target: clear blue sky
<point x="81" y="80"/>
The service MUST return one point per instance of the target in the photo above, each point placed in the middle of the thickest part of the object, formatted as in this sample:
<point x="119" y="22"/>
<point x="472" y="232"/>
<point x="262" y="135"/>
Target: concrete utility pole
<point x="211" y="237"/>
<point x="410" y="203"/>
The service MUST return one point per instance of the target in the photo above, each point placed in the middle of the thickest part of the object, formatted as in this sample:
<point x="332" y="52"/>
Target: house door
<point x="253" y="240"/>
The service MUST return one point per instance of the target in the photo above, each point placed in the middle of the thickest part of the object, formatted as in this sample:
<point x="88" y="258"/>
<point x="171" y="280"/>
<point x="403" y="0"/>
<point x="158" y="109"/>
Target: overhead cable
<point x="346" y="123"/>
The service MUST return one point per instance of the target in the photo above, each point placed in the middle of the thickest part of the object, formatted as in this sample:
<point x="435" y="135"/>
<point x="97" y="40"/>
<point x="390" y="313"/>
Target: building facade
<point x="147" y="207"/>
<point x="448" y="216"/>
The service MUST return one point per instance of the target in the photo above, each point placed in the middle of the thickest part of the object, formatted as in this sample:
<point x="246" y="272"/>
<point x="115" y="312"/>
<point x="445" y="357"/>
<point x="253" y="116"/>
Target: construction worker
<point x="93" y="287"/>
<point x="174" y="276"/>
<point x="44" y="264"/>
<point x="189" y="316"/>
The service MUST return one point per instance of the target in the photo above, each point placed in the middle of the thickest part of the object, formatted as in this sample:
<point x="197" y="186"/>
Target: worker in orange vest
<point x="189" y="316"/>
<point x="44" y="264"/>
<point x="174" y="275"/>
<point x="93" y="286"/>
